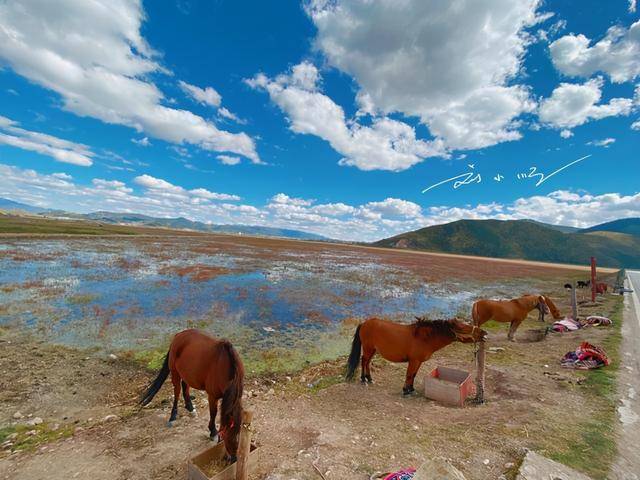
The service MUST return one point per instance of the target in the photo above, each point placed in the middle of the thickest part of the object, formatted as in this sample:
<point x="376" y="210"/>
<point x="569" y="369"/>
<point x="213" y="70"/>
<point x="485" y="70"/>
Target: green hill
<point x="521" y="239"/>
<point x="630" y="226"/>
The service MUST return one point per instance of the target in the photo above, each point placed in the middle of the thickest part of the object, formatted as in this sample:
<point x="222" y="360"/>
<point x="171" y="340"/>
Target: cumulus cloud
<point x="160" y="187"/>
<point x="617" y="54"/>
<point x="205" y="96"/>
<point x="228" y="159"/>
<point x="95" y="57"/>
<point x="632" y="6"/>
<point x="451" y="64"/>
<point x="54" y="147"/>
<point x="605" y="142"/>
<point x="385" y="145"/>
<point x="143" y="142"/>
<point x="635" y="125"/>
<point x="566" y="133"/>
<point x="368" y="221"/>
<point x="571" y="105"/>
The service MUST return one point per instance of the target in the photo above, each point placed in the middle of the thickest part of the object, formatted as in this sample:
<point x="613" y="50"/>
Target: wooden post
<point x="244" y="446"/>
<point x="480" y="374"/>
<point x="574" y="303"/>
<point x="593" y="279"/>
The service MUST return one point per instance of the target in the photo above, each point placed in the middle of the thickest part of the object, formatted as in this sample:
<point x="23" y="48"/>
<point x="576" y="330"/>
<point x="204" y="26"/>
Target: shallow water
<point x="128" y="294"/>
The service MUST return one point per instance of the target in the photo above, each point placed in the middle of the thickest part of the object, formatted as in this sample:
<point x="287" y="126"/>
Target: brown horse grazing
<point x="202" y="362"/>
<point x="414" y="343"/>
<point x="513" y="311"/>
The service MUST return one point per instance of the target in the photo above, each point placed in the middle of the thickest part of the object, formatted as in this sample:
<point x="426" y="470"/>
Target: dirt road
<point x="627" y="467"/>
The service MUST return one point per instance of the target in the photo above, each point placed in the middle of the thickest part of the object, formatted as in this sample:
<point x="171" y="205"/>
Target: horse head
<point x="467" y="332"/>
<point x="543" y="308"/>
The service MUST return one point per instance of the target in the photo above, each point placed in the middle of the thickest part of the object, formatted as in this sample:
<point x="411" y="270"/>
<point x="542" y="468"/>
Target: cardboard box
<point x="196" y="465"/>
<point x="448" y="385"/>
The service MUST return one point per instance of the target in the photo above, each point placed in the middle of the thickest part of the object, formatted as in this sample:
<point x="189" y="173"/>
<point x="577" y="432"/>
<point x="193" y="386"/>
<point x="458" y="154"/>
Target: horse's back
<point x="392" y="340"/>
<point x="193" y="354"/>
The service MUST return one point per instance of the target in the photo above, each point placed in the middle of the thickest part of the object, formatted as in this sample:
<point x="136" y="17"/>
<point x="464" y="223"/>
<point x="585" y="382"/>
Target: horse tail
<point x="354" y="356"/>
<point x="157" y="383"/>
<point x="231" y="406"/>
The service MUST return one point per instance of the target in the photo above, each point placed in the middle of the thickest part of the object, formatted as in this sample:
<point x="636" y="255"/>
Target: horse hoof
<point x="170" y="423"/>
<point x="215" y="438"/>
<point x="193" y="413"/>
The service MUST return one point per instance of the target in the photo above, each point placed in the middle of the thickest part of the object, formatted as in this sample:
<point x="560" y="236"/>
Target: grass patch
<point x="81" y="299"/>
<point x="591" y="446"/>
<point x="27" y="438"/>
<point x="151" y="359"/>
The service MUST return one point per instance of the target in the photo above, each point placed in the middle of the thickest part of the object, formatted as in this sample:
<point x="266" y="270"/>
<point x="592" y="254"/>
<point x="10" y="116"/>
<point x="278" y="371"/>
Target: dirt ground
<point x="301" y="420"/>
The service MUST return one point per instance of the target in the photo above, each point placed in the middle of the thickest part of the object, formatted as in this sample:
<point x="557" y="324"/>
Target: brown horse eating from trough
<point x="413" y="343"/>
<point x="196" y="360"/>
<point x="512" y="311"/>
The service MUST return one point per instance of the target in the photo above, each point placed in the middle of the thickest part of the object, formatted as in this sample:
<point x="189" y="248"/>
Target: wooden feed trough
<point x="209" y="464"/>
<point x="448" y="385"/>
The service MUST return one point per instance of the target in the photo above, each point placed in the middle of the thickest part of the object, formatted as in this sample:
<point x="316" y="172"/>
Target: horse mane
<point x="231" y="405"/>
<point x="443" y="327"/>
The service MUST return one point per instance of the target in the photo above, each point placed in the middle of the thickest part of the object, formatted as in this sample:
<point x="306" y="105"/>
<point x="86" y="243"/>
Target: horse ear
<point x="417" y="318"/>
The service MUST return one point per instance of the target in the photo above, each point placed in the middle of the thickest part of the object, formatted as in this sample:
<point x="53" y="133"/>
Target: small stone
<point x="288" y="378"/>
<point x="112" y="356"/>
<point x="55" y="427"/>
<point x="486" y="461"/>
<point x="110" y="418"/>
<point x="271" y="391"/>
<point x="35" y="421"/>
<point x="18" y="415"/>
<point x="509" y="465"/>
<point x="31" y="433"/>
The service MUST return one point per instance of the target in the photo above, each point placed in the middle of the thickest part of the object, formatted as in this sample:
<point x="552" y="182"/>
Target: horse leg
<point x="412" y="370"/>
<point x="213" y="412"/>
<point x="175" y="379"/>
<point x="512" y="329"/>
<point x="187" y="399"/>
<point x="367" y="355"/>
<point x="368" y="366"/>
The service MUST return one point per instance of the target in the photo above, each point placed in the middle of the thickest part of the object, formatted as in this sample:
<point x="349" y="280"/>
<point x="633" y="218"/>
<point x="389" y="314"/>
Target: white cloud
<point x="571" y="105"/>
<point x="617" y="54"/>
<point x="54" y="147"/>
<point x="228" y="159"/>
<point x="566" y="133"/>
<point x="283" y="199"/>
<point x="225" y="113"/>
<point x="451" y="64"/>
<point x="94" y="56"/>
<point x="369" y="221"/>
<point x="635" y="125"/>
<point x="143" y="142"/>
<point x="395" y="207"/>
<point x="632" y="6"/>
<point x="205" y="96"/>
<point x="385" y="145"/>
<point x="605" y="142"/>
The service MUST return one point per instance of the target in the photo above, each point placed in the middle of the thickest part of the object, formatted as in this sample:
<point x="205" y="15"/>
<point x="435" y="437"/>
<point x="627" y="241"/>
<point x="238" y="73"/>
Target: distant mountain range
<point x="6" y="204"/>
<point x="611" y="243"/>
<point x="147" y="221"/>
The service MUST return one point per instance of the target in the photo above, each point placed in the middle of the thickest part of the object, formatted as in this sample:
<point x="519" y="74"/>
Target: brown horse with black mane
<point x="512" y="311"/>
<point x="196" y="360"/>
<point x="413" y="343"/>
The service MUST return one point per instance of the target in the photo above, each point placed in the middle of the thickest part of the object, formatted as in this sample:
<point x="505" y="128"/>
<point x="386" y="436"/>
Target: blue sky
<point x="330" y="117"/>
